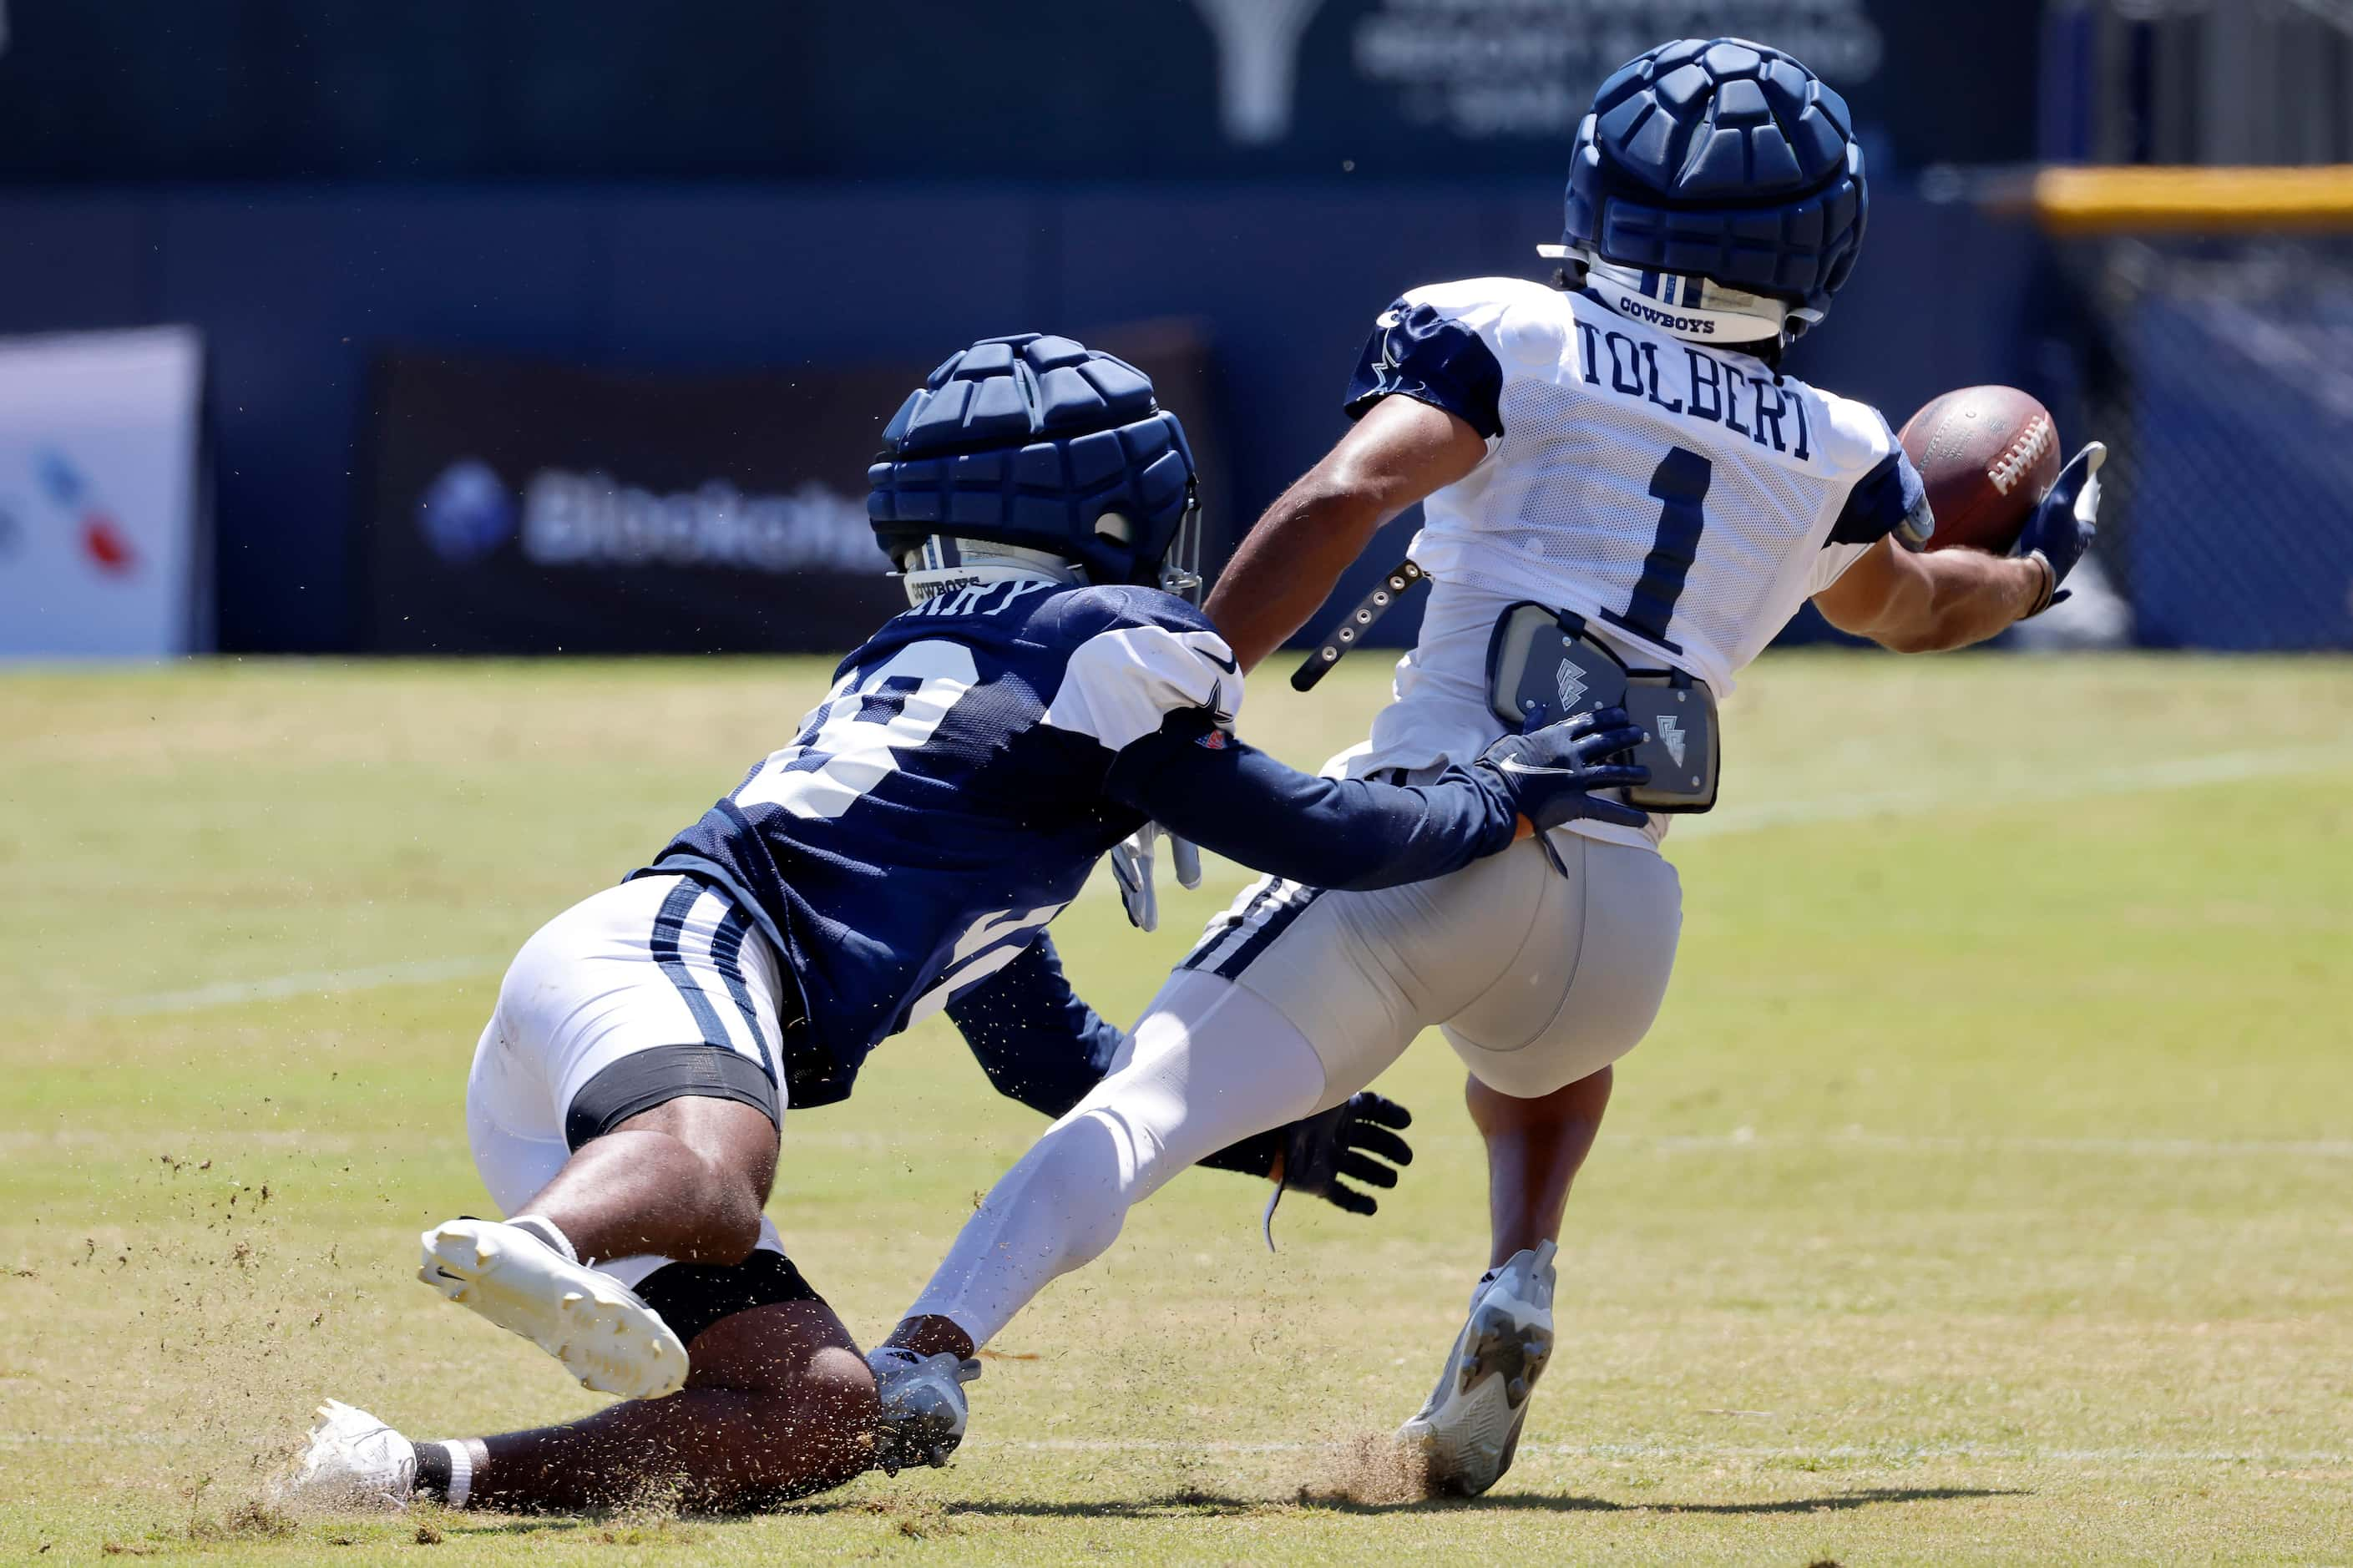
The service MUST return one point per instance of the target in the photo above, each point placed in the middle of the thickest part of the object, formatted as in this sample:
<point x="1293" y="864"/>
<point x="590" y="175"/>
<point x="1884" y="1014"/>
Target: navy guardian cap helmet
<point x="1045" y="446"/>
<point x="1717" y="192"/>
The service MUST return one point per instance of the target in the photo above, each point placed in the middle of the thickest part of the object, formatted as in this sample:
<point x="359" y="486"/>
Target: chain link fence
<point x="2218" y="367"/>
<point x="2220" y="371"/>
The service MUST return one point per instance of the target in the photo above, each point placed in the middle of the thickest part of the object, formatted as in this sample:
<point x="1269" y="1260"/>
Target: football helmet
<point x="1035" y="447"/>
<point x="1717" y="192"/>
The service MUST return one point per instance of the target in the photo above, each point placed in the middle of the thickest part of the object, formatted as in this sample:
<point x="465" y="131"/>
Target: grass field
<point x="1981" y="1195"/>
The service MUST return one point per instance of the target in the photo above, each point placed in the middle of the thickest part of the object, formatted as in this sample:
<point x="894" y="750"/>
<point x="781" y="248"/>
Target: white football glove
<point x="1132" y="863"/>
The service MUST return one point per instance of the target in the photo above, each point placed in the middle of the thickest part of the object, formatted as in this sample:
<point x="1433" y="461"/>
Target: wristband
<point x="2050" y="584"/>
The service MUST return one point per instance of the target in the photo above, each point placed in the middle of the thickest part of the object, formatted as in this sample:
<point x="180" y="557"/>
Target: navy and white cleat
<point x="924" y="1407"/>
<point x="352" y="1460"/>
<point x="1469" y="1430"/>
<point x="601" y="1331"/>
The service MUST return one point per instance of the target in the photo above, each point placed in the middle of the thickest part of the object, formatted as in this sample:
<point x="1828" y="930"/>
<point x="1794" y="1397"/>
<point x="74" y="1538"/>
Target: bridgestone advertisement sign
<point x="516" y="508"/>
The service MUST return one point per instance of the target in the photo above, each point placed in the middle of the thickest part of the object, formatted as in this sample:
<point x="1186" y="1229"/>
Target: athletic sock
<point x="545" y="1229"/>
<point x="445" y="1472"/>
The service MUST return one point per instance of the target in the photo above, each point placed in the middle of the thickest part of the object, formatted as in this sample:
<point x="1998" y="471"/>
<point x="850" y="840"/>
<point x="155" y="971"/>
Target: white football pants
<point x="653" y="962"/>
<point x="1298" y="998"/>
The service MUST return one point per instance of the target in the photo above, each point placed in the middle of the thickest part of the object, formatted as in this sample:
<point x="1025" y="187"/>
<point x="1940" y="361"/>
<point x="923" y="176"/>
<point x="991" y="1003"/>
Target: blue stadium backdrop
<point x="710" y="187"/>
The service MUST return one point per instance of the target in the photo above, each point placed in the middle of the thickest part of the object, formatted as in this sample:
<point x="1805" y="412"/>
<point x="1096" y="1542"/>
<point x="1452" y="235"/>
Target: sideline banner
<point x="518" y="508"/>
<point x="102" y="512"/>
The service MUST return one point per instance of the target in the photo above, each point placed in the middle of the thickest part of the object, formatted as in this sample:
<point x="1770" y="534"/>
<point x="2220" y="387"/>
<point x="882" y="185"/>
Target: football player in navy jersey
<point x="1052" y="692"/>
<point x="1617" y="459"/>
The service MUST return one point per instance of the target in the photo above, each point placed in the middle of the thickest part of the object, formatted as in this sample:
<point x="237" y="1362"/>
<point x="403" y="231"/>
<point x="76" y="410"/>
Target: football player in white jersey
<point x="1621" y="493"/>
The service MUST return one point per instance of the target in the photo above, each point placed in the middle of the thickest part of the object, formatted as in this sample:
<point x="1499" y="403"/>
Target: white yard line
<point x="1889" y="1456"/>
<point x="314" y="983"/>
<point x="2134" y="778"/>
<point x="877" y="1142"/>
<point x="2176" y="772"/>
<point x="2130" y="1148"/>
<point x="2181" y="773"/>
<point x="1906" y="1144"/>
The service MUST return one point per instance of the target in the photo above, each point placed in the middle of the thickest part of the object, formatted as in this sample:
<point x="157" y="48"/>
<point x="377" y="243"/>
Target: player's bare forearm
<point x="1930" y="603"/>
<point x="1971" y="596"/>
<point x="1397" y="453"/>
<point x="1287" y="565"/>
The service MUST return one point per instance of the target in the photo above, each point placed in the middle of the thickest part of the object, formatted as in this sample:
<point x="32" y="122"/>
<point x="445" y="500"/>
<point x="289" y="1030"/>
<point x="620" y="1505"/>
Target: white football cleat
<point x="601" y="1331"/>
<point x="351" y="1461"/>
<point x="1470" y="1429"/>
<point x="924" y="1407"/>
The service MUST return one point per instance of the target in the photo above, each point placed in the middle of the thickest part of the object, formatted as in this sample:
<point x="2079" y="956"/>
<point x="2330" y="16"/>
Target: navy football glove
<point x="1321" y="1153"/>
<point x="1551" y="773"/>
<point x="2064" y="522"/>
<point x="1350" y="1140"/>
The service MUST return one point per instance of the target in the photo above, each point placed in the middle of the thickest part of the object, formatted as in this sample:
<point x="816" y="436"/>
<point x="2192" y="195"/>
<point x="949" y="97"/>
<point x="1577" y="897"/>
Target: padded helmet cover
<point x="1722" y="159"/>
<point x="1030" y="440"/>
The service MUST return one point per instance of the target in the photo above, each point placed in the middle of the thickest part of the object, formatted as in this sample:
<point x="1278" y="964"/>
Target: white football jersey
<point x="1686" y="500"/>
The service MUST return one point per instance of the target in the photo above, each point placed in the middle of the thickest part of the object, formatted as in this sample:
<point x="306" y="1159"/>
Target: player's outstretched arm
<point x="1401" y="451"/>
<point x="1951" y="598"/>
<point x="1356" y="834"/>
<point x="1925" y="604"/>
<point x="1320" y="833"/>
<point x="1224" y="795"/>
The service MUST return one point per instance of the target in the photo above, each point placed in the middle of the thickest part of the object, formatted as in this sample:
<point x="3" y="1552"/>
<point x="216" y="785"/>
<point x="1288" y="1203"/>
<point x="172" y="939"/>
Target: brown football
<point x="1986" y="454"/>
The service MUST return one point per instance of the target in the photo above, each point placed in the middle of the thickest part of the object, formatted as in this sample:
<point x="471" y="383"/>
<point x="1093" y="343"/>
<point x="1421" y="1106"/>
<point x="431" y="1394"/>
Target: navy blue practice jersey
<point x="946" y="799"/>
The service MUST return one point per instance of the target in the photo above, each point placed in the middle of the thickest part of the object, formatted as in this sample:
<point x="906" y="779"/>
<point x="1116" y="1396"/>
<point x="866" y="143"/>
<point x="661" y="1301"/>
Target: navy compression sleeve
<point x="1036" y="1040"/>
<point x="1343" y="834"/>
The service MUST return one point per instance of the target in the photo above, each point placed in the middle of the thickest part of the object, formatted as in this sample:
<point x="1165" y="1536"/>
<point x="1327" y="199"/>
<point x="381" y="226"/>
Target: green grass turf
<point x="1982" y="1193"/>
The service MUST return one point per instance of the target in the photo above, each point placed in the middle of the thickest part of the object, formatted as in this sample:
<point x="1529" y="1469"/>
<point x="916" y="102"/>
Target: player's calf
<point x="778" y="1405"/>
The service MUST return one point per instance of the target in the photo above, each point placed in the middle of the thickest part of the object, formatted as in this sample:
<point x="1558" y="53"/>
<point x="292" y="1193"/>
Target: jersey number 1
<point x="1680" y="487"/>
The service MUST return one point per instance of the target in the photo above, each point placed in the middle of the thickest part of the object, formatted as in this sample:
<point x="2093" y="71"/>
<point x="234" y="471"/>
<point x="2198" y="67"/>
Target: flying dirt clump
<point x="1374" y="1471"/>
